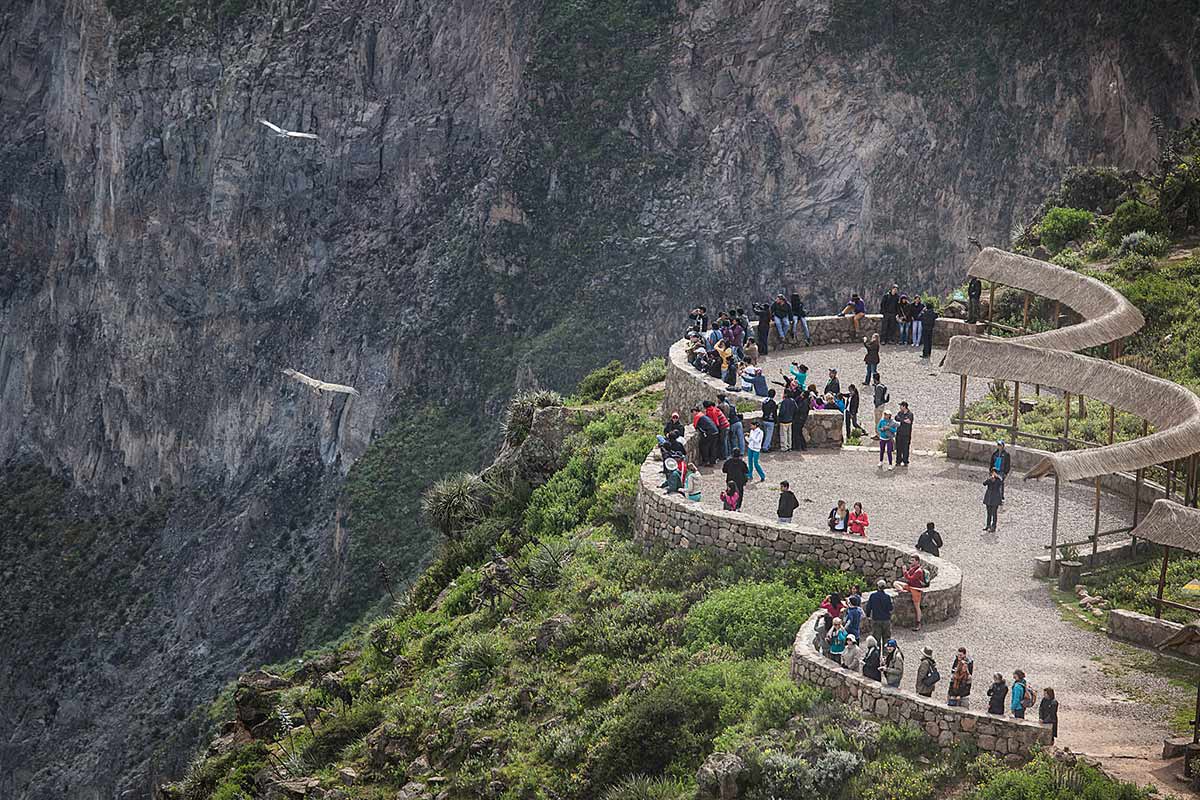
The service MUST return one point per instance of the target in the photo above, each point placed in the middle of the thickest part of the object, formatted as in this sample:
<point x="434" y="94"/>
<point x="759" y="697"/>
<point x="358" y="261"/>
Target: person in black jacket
<point x="993" y="489"/>
<point x="903" y="418"/>
<point x="800" y="318"/>
<point x="928" y="318"/>
<point x="974" y="292"/>
<point x="738" y="472"/>
<point x="930" y="541"/>
<point x="763" y="312"/>
<point x="889" y="307"/>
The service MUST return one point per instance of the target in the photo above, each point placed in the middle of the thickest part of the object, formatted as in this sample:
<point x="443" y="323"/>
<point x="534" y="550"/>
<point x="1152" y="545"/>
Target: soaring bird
<point x="320" y="386"/>
<point x="285" y="133"/>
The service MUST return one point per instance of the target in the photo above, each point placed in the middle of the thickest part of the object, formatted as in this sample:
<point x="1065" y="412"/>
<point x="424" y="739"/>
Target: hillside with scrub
<point x="544" y="654"/>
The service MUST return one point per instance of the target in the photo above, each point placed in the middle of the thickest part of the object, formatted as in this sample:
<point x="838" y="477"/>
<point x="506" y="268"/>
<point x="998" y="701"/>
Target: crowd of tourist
<point x="879" y="657"/>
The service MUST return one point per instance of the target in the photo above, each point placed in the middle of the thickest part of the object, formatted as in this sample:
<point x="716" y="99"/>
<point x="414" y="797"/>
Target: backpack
<point x="934" y="676"/>
<point x="1029" y="698"/>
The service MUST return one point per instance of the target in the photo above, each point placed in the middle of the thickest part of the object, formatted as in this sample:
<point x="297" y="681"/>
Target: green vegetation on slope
<point x="546" y="655"/>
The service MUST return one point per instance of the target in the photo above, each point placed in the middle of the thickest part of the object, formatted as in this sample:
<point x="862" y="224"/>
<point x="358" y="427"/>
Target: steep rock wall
<point x="498" y="188"/>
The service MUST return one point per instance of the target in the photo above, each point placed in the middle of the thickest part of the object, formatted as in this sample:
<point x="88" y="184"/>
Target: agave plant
<point x="454" y="503"/>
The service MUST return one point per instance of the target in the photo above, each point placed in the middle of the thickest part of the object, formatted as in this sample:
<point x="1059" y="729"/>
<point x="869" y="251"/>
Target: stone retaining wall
<point x="1146" y="631"/>
<point x="947" y="725"/>
<point x="678" y="522"/>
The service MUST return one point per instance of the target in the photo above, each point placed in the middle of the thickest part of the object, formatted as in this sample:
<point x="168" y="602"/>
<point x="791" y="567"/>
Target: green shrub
<point x="1062" y="225"/>
<point x="1144" y="244"/>
<point x="455" y="502"/>
<point x="476" y="660"/>
<point x="780" y="700"/>
<point x="756" y="619"/>
<point x="595" y="382"/>
<point x="1134" y="215"/>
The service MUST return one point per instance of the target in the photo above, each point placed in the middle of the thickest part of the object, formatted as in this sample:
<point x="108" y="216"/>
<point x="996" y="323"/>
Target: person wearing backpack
<point x="915" y="582"/>
<point x="1022" y="696"/>
<point x="927" y="673"/>
<point x="893" y="664"/>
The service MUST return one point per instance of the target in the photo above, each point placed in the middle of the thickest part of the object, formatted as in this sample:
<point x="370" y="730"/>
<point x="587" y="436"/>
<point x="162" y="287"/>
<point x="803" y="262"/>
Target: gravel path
<point x="932" y="395"/>
<point x="1110" y="706"/>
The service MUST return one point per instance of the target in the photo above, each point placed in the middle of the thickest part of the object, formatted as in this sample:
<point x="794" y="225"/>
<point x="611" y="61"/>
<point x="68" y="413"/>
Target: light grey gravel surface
<point x="931" y="394"/>
<point x="1109" y="706"/>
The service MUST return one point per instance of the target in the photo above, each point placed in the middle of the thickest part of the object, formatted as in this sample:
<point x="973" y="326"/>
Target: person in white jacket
<point x="754" y="444"/>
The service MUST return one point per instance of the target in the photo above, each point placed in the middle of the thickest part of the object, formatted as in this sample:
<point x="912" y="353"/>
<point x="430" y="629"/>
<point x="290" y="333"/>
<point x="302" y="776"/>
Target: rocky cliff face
<point x="503" y="193"/>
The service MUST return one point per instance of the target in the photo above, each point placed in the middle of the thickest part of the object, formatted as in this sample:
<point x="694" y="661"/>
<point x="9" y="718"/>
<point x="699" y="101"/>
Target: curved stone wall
<point x="679" y="522"/>
<point x="947" y="725"/>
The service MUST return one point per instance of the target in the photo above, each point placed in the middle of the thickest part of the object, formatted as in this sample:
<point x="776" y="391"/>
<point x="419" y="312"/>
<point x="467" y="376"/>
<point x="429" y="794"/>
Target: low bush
<point x="1062" y="225"/>
<point x="756" y="619"/>
<point x="1134" y="215"/>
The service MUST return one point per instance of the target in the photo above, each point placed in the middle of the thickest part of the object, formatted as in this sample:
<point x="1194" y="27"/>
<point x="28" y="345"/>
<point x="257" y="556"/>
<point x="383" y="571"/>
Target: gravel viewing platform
<point x="1009" y="619"/>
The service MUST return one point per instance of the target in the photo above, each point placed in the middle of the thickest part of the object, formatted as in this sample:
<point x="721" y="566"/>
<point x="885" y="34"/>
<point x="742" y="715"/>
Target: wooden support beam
<point x="1162" y="581"/>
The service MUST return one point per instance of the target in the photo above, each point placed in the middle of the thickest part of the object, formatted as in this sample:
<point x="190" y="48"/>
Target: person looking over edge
<point x="904" y="431"/>
<point x="889" y="307"/>
<point x="871" y="359"/>
<point x="930" y="541"/>
<point x="879" y="611"/>
<point x="787" y="502"/>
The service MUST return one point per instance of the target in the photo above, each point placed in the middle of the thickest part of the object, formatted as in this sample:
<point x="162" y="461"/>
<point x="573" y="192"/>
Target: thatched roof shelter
<point x="1107" y="315"/>
<point x="1172" y="410"/>
<point x="1171" y="525"/>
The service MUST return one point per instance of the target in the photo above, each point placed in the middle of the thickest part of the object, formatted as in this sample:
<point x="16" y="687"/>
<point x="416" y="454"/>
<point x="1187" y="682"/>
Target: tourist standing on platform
<point x="881" y="397"/>
<point x="787" y="503"/>
<point x="879" y="611"/>
<point x="915" y="309"/>
<point x="928" y="323"/>
<point x="904" y="431"/>
<point x="889" y="307"/>
<point x="930" y="541"/>
<point x="974" y="293"/>
<point x="997" y="693"/>
<point x="754" y="441"/>
<point x="871" y="358"/>
<point x="886" y="431"/>
<point x="800" y="319"/>
<point x="993" y="495"/>
<point x="737" y="473"/>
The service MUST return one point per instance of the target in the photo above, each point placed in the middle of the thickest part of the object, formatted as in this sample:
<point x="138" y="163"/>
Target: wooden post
<point x="1016" y="409"/>
<point x="1025" y="315"/>
<point x="1162" y="581"/>
<point x="1067" y="427"/>
<point x="962" y="402"/>
<point x="1054" y="532"/>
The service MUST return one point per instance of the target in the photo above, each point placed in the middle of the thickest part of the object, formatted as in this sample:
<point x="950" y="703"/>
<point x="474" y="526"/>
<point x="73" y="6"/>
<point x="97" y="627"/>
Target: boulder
<point x="719" y="777"/>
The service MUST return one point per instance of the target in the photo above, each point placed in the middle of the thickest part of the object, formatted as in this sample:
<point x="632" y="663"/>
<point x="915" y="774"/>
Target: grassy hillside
<point x="545" y="655"/>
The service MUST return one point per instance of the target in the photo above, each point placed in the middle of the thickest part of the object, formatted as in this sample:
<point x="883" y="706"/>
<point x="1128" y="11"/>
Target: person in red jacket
<point x="915" y="582"/>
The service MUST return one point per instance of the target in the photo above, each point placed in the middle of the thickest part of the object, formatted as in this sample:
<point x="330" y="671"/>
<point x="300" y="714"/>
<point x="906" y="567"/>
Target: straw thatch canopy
<point x="1107" y="315"/>
<point x="1172" y="410"/>
<point x="1171" y="525"/>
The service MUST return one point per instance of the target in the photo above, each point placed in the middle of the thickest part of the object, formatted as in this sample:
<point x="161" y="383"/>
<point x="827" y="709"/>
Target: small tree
<point x="455" y="503"/>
